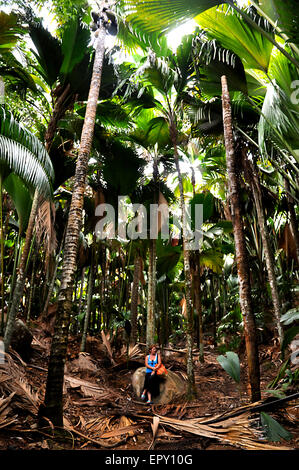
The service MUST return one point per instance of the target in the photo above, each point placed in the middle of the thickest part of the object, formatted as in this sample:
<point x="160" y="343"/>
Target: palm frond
<point x="48" y="55"/>
<point x="279" y="121"/>
<point x="10" y="31"/>
<point x="15" y="157"/>
<point x="163" y="15"/>
<point x="234" y="34"/>
<point x="75" y="40"/>
<point x="12" y="129"/>
<point x="44" y="226"/>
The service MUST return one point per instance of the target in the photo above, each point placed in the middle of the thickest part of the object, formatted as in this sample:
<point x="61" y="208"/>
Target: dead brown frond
<point x="134" y="352"/>
<point x="13" y="381"/>
<point x="44" y="227"/>
<point x="88" y="389"/>
<point x="107" y="344"/>
<point x="106" y="431"/>
<point x="5" y="411"/>
<point x="238" y="431"/>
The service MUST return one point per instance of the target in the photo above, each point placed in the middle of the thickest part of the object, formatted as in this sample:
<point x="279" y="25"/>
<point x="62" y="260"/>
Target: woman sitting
<point x="151" y="382"/>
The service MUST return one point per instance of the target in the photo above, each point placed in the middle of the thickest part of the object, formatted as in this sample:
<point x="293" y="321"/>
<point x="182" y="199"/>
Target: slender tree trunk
<point x="257" y="194"/>
<point x="52" y="284"/>
<point x="293" y="221"/>
<point x="240" y="247"/>
<point x="134" y="299"/>
<point x="2" y="257"/>
<point x="58" y="112"/>
<point x="81" y="297"/>
<point x="32" y="286"/>
<point x="53" y="405"/>
<point x="191" y="392"/>
<point x="18" y="291"/>
<point x="151" y="299"/>
<point x="89" y="304"/>
<point x="164" y="314"/>
<point x="198" y="303"/>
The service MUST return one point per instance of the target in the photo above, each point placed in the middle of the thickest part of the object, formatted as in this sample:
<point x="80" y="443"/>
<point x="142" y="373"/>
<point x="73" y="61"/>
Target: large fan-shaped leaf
<point x="231" y="365"/>
<point x="74" y="45"/>
<point x="214" y="61"/>
<point x="163" y="15"/>
<point x="234" y="34"/>
<point x="285" y="14"/>
<point x="21" y="197"/>
<point x="206" y="200"/>
<point x="212" y="259"/>
<point x="9" y="31"/>
<point x="14" y="72"/>
<point x="279" y="120"/>
<point x="158" y="132"/>
<point x="168" y="257"/>
<point x="49" y="55"/>
<point x="275" y="432"/>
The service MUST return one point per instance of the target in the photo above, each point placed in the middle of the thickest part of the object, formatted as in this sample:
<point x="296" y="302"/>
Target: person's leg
<point x="150" y="386"/>
<point x="145" y="386"/>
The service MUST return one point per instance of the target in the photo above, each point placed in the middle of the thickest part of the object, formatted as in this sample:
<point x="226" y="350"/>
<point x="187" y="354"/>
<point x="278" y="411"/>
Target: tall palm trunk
<point x="151" y="298"/>
<point x="80" y="297"/>
<point x="240" y="247"/>
<point x="52" y="284"/>
<point x="53" y="406"/>
<point x="2" y="257"/>
<point x="19" y="287"/>
<point x="61" y="105"/>
<point x="152" y="275"/>
<point x="256" y="189"/>
<point x="293" y="221"/>
<point x="32" y="284"/>
<point x="89" y="302"/>
<point x="198" y="303"/>
<point x="191" y="392"/>
<point x="134" y="299"/>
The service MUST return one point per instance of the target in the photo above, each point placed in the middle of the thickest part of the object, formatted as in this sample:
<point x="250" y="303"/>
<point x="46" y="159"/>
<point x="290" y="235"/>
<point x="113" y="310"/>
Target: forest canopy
<point x="149" y="187"/>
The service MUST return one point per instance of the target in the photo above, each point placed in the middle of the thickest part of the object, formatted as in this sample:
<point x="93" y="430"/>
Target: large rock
<point x="172" y="387"/>
<point x="21" y="339"/>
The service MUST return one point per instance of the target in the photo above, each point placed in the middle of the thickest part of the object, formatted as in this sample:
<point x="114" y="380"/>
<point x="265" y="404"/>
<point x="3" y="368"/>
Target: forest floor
<point x="102" y="412"/>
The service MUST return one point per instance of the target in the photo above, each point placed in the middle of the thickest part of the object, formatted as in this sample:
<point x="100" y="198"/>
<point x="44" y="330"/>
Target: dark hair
<point x="151" y="346"/>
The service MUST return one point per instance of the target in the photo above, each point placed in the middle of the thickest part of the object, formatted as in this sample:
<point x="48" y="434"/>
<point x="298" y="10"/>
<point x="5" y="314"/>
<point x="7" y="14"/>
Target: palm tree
<point x="23" y="154"/>
<point x="64" y="64"/>
<point x="241" y="255"/>
<point x="164" y="15"/>
<point x="53" y="407"/>
<point x="169" y="77"/>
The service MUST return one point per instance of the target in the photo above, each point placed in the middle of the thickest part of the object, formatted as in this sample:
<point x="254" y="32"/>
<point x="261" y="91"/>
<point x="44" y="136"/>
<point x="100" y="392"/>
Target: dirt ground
<point x="112" y="404"/>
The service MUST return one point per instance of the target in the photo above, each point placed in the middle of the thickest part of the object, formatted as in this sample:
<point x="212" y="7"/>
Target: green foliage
<point x="10" y="31"/>
<point x="21" y="197"/>
<point x="163" y="15"/>
<point x="22" y="153"/>
<point x="231" y="365"/>
<point x="290" y="316"/>
<point x="274" y="431"/>
<point x="280" y="375"/>
<point x="290" y="334"/>
<point x="234" y="34"/>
